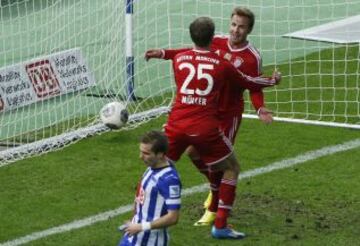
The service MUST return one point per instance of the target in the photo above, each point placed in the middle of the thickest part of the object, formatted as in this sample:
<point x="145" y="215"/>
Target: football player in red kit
<point x="244" y="56"/>
<point x="201" y="76"/>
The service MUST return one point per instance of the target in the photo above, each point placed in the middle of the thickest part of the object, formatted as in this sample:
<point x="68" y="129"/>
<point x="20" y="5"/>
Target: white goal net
<point x="79" y="45"/>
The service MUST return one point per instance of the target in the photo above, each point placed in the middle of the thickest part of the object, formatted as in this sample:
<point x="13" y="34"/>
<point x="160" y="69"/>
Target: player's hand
<point x="133" y="228"/>
<point x="155" y="53"/>
<point x="276" y="76"/>
<point x="124" y="226"/>
<point x="265" y="115"/>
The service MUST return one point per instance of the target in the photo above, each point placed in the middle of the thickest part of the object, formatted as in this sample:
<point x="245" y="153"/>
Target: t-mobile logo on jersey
<point x="43" y="78"/>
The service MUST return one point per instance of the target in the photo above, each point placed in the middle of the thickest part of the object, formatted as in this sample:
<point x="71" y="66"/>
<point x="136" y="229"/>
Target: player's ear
<point x="160" y="155"/>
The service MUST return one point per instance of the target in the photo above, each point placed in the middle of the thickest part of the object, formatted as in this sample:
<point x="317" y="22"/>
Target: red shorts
<point x="230" y="126"/>
<point x="212" y="145"/>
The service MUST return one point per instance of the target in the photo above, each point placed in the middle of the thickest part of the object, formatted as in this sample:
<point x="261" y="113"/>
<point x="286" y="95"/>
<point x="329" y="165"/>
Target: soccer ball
<point x="114" y="115"/>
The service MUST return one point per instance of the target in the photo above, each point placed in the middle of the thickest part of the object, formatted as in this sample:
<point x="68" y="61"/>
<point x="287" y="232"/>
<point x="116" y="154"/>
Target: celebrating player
<point x="242" y="54"/>
<point x="200" y="77"/>
<point x="157" y="200"/>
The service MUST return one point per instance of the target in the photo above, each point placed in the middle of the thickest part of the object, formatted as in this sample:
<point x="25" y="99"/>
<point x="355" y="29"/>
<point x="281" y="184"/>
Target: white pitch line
<point x="311" y="155"/>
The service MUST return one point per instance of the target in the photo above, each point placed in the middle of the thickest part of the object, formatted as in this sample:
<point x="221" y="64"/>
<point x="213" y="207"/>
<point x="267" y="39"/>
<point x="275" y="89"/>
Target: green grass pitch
<point x="315" y="203"/>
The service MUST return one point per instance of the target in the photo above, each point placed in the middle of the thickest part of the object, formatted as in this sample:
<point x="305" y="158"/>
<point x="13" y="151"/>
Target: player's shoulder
<point x="186" y="56"/>
<point x="220" y="39"/>
<point x="221" y="36"/>
<point x="170" y="180"/>
<point x="253" y="50"/>
<point x="191" y="50"/>
<point x="169" y="174"/>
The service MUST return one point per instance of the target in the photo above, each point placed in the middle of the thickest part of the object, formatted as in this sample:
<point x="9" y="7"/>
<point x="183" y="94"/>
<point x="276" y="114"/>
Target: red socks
<point x="226" y="200"/>
<point x="223" y="193"/>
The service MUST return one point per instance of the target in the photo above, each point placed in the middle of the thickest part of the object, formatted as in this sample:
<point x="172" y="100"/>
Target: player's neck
<point x="201" y="48"/>
<point x="239" y="45"/>
<point x="162" y="163"/>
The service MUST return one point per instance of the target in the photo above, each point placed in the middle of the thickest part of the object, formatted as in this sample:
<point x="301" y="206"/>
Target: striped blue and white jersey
<point x="158" y="192"/>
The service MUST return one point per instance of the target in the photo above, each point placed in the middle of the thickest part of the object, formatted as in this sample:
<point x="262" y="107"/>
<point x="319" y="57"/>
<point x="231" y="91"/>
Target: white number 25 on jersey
<point x="201" y="74"/>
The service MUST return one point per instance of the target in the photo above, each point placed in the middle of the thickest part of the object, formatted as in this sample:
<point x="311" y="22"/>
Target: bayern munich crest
<point x="237" y="62"/>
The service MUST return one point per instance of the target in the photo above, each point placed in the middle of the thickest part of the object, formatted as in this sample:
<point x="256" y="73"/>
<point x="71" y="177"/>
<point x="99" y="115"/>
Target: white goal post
<point x="62" y="60"/>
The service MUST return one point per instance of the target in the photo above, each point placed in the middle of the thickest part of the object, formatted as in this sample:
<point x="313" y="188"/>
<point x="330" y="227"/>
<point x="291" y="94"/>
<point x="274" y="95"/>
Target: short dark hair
<point x="242" y="11"/>
<point x="158" y="140"/>
<point x="202" y="31"/>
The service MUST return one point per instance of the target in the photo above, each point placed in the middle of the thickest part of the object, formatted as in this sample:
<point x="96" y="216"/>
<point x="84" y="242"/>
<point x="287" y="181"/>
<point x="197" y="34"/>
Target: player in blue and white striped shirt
<point x="158" y="196"/>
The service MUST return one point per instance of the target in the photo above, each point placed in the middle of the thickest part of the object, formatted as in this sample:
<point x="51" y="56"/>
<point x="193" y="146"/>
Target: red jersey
<point x="246" y="60"/>
<point x="200" y="77"/>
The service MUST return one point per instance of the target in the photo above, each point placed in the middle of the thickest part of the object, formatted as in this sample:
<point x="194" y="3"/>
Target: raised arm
<point x="251" y="83"/>
<point x="166" y="54"/>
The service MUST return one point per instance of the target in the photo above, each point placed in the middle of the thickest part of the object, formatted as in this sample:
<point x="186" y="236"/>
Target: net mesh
<point x="320" y="80"/>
